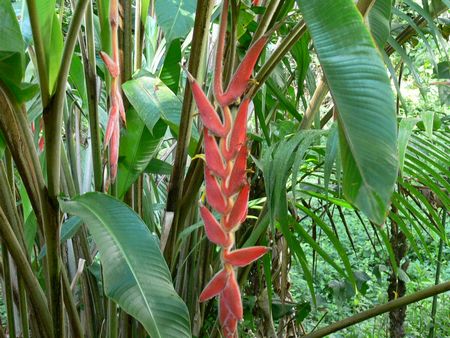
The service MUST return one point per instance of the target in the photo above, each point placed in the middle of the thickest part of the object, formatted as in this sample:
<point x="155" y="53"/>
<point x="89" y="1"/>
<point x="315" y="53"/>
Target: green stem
<point x="71" y="308"/>
<point x="431" y="333"/>
<point x="284" y="47"/>
<point x="53" y="113"/>
<point x="127" y="41"/>
<point x="40" y="52"/>
<point x="91" y="88"/>
<point x="35" y="291"/>
<point x="23" y="306"/>
<point x="8" y="292"/>
<point x="112" y="319"/>
<point x="380" y="309"/>
<point x="265" y="20"/>
<point x="314" y="105"/>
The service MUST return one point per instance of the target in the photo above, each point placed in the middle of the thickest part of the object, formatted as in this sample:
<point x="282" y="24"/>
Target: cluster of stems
<point x="227" y="188"/>
<point x="117" y="110"/>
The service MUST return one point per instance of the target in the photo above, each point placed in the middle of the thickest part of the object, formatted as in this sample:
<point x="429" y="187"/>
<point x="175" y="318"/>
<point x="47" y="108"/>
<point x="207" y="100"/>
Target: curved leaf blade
<point x="135" y="273"/>
<point x="137" y="148"/>
<point x="176" y="17"/>
<point x="361" y="90"/>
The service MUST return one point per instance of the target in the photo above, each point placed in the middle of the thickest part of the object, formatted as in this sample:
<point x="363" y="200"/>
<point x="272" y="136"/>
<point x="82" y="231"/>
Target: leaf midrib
<point x="128" y="263"/>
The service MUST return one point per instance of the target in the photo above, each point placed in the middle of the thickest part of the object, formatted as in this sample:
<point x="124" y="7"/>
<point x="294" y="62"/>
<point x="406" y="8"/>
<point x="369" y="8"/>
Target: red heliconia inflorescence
<point x="227" y="189"/>
<point x="117" y="110"/>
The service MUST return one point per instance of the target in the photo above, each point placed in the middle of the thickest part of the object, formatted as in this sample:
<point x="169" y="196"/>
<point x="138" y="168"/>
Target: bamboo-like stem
<point x="380" y="309"/>
<point x="127" y="42"/>
<point x="284" y="47"/>
<point x="314" y="105"/>
<point x="39" y="51"/>
<point x="53" y="113"/>
<point x="431" y="333"/>
<point x="7" y="203"/>
<point x="199" y="41"/>
<point x="72" y="313"/>
<point x="112" y="319"/>
<point x="35" y="291"/>
<point x="8" y="292"/>
<point x="23" y="307"/>
<point x="266" y="19"/>
<point x="91" y="88"/>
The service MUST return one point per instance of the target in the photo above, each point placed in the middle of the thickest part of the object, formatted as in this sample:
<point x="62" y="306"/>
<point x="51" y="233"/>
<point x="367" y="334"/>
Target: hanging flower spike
<point x="227" y="189"/>
<point x="116" y="110"/>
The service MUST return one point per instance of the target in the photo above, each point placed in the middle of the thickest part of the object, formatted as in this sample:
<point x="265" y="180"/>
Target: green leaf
<point x="170" y="72"/>
<point x="2" y="145"/>
<point x="12" y="46"/>
<point x="300" y="52"/>
<point x="443" y="70"/>
<point x="137" y="147"/>
<point x="404" y="133"/>
<point x="330" y="154"/>
<point x="52" y="38"/>
<point x="380" y="21"/>
<point x="153" y="100"/>
<point x="134" y="271"/>
<point x="159" y="167"/>
<point x="176" y="17"/>
<point x="76" y="77"/>
<point x="362" y="93"/>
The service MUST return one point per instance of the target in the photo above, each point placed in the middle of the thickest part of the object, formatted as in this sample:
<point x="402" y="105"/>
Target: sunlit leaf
<point x="135" y="273"/>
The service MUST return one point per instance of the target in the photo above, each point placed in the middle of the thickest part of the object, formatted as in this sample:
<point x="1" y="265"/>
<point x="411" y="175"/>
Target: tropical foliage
<point x="320" y="129"/>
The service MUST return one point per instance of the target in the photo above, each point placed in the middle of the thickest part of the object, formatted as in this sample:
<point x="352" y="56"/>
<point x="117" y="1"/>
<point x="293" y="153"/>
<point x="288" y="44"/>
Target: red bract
<point x="239" y="211"/>
<point x="215" y="285"/>
<point x="209" y="116"/>
<point x="116" y="111"/>
<point x="227" y="189"/>
<point x="243" y="257"/>
<point x="212" y="155"/>
<point x="213" y="230"/>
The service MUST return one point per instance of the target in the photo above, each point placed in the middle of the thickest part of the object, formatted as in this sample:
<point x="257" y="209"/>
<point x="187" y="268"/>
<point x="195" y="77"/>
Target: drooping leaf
<point x="176" y="17"/>
<point x="153" y="100"/>
<point x="135" y="273"/>
<point x="404" y="132"/>
<point x="300" y="52"/>
<point x="361" y="91"/>
<point x="52" y="38"/>
<point x="159" y="167"/>
<point x="170" y="72"/>
<point x="12" y="46"/>
<point x="380" y="21"/>
<point x="137" y="147"/>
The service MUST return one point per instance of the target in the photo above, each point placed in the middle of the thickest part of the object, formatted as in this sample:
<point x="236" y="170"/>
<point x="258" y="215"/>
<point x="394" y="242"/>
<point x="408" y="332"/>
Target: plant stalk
<point x="196" y="68"/>
<point x="24" y="269"/>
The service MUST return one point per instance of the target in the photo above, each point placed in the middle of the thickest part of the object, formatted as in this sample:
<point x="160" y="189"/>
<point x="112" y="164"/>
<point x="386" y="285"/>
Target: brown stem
<point x="200" y="36"/>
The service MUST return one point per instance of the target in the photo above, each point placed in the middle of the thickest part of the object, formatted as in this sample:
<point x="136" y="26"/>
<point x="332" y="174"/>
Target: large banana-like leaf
<point x="380" y="21"/>
<point x="153" y="100"/>
<point x="12" y="46"/>
<point x="176" y="17"/>
<point x="135" y="273"/>
<point x="360" y="88"/>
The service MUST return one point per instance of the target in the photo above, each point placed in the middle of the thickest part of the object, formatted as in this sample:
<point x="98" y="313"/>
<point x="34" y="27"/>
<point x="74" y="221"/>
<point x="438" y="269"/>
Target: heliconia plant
<point x="117" y="110"/>
<point x="227" y="189"/>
